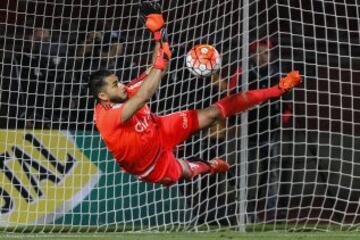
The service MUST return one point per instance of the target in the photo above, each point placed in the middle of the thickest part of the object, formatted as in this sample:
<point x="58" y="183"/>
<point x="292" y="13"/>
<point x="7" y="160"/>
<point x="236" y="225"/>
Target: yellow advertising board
<point x="43" y="175"/>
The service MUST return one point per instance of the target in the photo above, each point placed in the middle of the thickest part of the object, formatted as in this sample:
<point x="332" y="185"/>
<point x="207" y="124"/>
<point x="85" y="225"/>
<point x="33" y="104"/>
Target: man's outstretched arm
<point x="146" y="91"/>
<point x="151" y="14"/>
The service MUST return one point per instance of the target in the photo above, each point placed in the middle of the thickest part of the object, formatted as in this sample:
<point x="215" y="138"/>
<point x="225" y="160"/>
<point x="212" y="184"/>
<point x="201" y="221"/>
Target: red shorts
<point x="174" y="129"/>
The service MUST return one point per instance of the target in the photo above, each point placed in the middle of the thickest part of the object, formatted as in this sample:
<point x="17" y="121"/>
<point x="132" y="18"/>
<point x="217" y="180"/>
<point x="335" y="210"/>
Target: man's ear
<point x="102" y="96"/>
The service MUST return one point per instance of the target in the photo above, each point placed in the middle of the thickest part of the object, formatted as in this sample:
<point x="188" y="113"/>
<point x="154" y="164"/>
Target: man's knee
<point x="186" y="170"/>
<point x="166" y="181"/>
<point x="208" y="116"/>
<point x="214" y="112"/>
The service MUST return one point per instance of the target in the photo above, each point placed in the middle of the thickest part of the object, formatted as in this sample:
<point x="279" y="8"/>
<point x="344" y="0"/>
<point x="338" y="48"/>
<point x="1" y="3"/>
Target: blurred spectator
<point x="86" y="47"/>
<point x="97" y="50"/>
<point x="264" y="125"/>
<point x="104" y="47"/>
<point x="41" y="70"/>
<point x="263" y="129"/>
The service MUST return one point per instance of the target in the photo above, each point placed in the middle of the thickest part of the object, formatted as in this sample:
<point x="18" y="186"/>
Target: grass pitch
<point x="229" y="235"/>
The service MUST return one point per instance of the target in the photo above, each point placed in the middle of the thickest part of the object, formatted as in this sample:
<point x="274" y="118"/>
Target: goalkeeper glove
<point x="150" y="15"/>
<point x="163" y="57"/>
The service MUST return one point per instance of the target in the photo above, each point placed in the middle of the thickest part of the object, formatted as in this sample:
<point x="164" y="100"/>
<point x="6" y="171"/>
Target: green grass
<point x="228" y="235"/>
<point x="254" y="232"/>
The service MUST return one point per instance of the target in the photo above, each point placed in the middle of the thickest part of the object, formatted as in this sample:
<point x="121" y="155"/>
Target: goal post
<point x="294" y="160"/>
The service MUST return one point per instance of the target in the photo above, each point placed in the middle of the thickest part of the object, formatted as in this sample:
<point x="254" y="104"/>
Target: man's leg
<point x="240" y="102"/>
<point x="195" y="168"/>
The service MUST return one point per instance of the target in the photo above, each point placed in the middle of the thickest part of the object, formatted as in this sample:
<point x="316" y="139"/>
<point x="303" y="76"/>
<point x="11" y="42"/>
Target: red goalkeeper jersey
<point x="135" y="143"/>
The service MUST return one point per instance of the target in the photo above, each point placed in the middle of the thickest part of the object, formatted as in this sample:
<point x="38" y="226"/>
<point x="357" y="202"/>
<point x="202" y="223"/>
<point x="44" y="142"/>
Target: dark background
<point x="321" y="38"/>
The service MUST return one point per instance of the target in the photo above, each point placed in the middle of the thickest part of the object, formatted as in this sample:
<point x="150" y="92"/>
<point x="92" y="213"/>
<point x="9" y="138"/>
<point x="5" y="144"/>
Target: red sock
<point x="239" y="102"/>
<point x="197" y="167"/>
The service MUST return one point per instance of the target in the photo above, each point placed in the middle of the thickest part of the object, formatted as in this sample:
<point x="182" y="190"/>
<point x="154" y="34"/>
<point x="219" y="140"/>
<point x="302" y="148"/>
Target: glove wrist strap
<point x="160" y="60"/>
<point x="157" y="36"/>
<point x="160" y="64"/>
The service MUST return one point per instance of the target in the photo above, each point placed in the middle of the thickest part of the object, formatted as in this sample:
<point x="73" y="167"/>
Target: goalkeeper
<point x="141" y="142"/>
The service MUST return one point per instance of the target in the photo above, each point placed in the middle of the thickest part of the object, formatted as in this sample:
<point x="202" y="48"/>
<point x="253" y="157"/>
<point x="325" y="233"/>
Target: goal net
<point x="295" y="161"/>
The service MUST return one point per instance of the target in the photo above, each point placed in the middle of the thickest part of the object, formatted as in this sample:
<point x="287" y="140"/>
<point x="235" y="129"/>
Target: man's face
<point x="39" y="39"/>
<point x="42" y="35"/>
<point x="113" y="90"/>
<point x="93" y="37"/>
<point x="262" y="55"/>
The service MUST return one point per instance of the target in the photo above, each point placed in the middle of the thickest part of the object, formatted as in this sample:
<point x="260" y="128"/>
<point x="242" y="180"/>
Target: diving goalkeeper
<point x="141" y="142"/>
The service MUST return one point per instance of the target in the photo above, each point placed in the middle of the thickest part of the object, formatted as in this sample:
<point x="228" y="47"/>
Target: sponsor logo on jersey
<point x="143" y="120"/>
<point x="185" y="123"/>
<point x="142" y="123"/>
<point x="117" y="105"/>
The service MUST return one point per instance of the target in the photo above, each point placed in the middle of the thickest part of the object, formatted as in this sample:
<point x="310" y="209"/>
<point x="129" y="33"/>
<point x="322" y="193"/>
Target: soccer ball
<point x="203" y="60"/>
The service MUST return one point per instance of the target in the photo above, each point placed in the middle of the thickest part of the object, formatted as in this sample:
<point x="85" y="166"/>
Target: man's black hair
<point x="97" y="81"/>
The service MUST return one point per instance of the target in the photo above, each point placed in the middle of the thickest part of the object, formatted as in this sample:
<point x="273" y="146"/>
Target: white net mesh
<point x="301" y="160"/>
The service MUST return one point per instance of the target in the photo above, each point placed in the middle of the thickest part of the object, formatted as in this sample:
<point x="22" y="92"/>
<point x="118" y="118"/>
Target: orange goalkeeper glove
<point x="150" y="14"/>
<point x="163" y="57"/>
